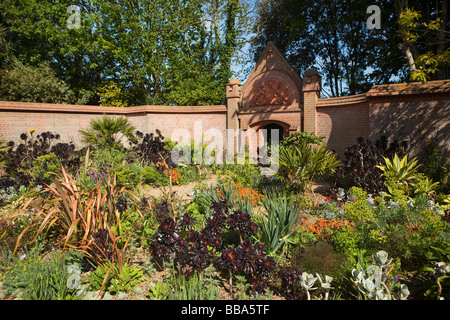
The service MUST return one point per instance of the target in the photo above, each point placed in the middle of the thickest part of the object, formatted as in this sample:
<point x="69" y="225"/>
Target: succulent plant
<point x="372" y="283"/>
<point x="325" y="285"/>
<point x="307" y="281"/>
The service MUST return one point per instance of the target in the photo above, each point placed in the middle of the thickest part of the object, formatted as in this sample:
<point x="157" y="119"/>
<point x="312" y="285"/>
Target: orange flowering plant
<point x="236" y="191"/>
<point x="323" y="227"/>
<point x="176" y="175"/>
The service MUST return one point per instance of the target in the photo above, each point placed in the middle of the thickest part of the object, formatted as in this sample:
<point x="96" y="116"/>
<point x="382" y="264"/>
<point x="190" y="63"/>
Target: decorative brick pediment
<point x="270" y="92"/>
<point x="272" y="82"/>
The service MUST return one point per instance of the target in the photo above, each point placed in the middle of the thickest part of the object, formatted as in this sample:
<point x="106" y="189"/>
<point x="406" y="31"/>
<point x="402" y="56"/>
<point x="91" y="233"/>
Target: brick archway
<point x="265" y="123"/>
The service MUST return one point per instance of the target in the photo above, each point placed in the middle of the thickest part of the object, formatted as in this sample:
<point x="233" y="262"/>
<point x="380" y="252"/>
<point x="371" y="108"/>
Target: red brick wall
<point x="67" y="120"/>
<point x="342" y="120"/>
<point x="413" y="112"/>
<point x="415" y="119"/>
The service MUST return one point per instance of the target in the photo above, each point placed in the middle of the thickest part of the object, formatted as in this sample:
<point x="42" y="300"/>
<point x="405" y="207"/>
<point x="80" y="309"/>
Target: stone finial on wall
<point x="234" y="89"/>
<point x="312" y="81"/>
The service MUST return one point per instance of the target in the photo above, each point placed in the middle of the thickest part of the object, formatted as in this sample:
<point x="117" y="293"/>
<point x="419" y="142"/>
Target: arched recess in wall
<point x="271" y="124"/>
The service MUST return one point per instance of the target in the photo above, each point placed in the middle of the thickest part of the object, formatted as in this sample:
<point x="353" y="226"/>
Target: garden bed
<point x="126" y="224"/>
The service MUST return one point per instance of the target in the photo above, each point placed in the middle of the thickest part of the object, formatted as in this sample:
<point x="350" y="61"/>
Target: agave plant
<point x="108" y="132"/>
<point x="401" y="171"/>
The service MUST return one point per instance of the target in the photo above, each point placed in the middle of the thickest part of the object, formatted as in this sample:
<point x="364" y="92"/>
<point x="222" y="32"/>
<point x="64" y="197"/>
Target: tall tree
<point x="333" y="37"/>
<point x="156" y="51"/>
<point x="424" y="32"/>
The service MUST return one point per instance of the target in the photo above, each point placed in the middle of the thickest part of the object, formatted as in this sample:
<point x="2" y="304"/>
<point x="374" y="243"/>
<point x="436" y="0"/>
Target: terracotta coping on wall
<point x="185" y="109"/>
<point x="341" y="101"/>
<point x="70" y="108"/>
<point x="438" y="86"/>
<point x="395" y="89"/>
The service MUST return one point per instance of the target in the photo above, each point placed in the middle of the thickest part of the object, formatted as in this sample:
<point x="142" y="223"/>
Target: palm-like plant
<point x="108" y="132"/>
<point x="302" y="162"/>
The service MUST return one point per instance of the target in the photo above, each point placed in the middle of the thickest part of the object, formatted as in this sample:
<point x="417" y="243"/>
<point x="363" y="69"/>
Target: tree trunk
<point x="409" y="50"/>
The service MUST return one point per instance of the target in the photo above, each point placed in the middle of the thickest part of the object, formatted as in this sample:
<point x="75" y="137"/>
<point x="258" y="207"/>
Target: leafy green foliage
<point x="3" y="148"/>
<point x="35" y="84"/>
<point x="41" y="280"/>
<point x="435" y="166"/>
<point x="358" y="209"/>
<point x="167" y="53"/>
<point x="414" y="29"/>
<point x="278" y="221"/>
<point x="114" y="280"/>
<point x="301" y="162"/>
<point x="110" y="96"/>
<point x="151" y="175"/>
<point x="333" y="38"/>
<point x="45" y="165"/>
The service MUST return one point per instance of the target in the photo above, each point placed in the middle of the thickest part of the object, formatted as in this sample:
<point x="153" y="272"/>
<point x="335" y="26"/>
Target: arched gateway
<point x="272" y="96"/>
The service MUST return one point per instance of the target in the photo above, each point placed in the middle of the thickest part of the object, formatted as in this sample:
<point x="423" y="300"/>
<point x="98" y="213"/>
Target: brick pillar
<point x="312" y="84"/>
<point x="233" y="97"/>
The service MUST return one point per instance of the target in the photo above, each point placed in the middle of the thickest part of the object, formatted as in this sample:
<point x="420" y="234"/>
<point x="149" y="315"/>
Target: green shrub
<point x="35" y="84"/>
<point x="3" y="149"/>
<point x="45" y="165"/>
<point x="108" y="158"/>
<point x="358" y="209"/>
<point x="150" y="175"/>
<point x="114" y="280"/>
<point x="245" y="174"/>
<point x="346" y="240"/>
<point x="435" y="165"/>
<point x="128" y="176"/>
<point x="41" y="280"/>
<point x="408" y="230"/>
